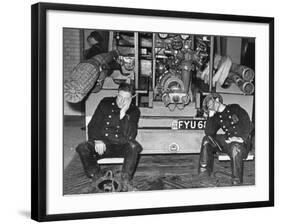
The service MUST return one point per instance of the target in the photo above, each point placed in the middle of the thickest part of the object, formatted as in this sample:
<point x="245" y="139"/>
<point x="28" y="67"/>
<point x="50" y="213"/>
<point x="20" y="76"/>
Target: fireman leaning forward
<point x="236" y="141"/>
<point x="111" y="133"/>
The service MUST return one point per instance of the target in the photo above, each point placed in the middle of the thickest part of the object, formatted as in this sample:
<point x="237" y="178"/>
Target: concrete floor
<point x="154" y="172"/>
<point x="73" y="135"/>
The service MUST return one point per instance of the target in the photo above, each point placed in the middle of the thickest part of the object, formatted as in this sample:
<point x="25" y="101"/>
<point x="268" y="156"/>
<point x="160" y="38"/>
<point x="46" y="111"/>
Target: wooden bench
<point x="111" y="161"/>
<point x="225" y="157"/>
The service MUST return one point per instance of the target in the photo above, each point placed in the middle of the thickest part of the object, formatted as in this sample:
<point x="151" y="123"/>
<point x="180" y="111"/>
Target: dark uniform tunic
<point x="106" y="125"/>
<point x="233" y="120"/>
<point x="117" y="134"/>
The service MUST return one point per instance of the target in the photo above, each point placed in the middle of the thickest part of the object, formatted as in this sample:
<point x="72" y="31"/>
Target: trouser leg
<point x="132" y="151"/>
<point x="206" y="159"/>
<point x="237" y="152"/>
<point x="88" y="158"/>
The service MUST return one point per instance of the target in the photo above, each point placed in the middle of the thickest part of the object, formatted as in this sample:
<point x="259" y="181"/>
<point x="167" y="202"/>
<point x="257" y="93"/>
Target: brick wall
<point x="72" y="40"/>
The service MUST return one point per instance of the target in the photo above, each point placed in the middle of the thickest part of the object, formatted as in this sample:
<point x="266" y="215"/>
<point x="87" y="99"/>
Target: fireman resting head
<point x="234" y="121"/>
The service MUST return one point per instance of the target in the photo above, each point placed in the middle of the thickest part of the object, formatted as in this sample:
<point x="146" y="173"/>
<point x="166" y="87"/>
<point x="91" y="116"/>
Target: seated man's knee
<point x="206" y="141"/>
<point x="82" y="147"/>
<point x="135" y="146"/>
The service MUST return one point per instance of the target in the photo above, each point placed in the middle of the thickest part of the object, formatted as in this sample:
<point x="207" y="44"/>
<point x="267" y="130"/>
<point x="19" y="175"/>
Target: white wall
<point x="15" y="111"/>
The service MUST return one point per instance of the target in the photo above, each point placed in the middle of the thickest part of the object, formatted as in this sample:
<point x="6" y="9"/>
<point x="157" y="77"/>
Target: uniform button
<point x="109" y="116"/>
<point x="235" y="132"/>
<point x="106" y="134"/>
<point x="107" y="123"/>
<point x="234" y="127"/>
<point x="220" y="116"/>
<point x="223" y="126"/>
<point x="232" y="122"/>
<point x="226" y="129"/>
<point x="106" y="128"/>
<point x="221" y="121"/>
<point x="116" y="136"/>
<point x="118" y="126"/>
<point x="228" y="111"/>
<point x="112" y="110"/>
<point x="229" y="116"/>
<point x="112" y="103"/>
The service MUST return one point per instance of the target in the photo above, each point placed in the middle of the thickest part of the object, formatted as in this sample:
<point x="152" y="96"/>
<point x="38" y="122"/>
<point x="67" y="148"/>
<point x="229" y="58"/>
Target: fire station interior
<point x="172" y="74"/>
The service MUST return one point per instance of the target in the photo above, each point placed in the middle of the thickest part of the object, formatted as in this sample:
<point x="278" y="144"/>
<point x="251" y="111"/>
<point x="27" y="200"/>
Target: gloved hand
<point x="100" y="147"/>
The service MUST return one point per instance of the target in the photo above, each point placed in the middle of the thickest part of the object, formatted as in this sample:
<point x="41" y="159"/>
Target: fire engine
<point x="172" y="74"/>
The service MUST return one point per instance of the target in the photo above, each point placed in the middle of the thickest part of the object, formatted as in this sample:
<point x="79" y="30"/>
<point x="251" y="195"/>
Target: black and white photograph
<point x="148" y="111"/>
<point x="142" y="111"/>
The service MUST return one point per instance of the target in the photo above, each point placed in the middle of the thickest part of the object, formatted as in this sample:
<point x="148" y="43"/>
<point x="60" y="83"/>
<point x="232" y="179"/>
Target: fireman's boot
<point x="88" y="159"/>
<point x="206" y="160"/>
<point x="237" y="163"/>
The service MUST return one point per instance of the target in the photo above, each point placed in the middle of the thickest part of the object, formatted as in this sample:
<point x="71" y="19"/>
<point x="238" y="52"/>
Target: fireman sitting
<point x="111" y="133"/>
<point x="236" y="142"/>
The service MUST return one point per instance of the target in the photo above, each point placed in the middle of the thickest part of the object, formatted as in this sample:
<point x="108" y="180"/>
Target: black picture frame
<point x="39" y="109"/>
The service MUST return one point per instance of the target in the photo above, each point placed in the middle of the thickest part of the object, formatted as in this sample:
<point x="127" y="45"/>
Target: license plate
<point x="191" y="124"/>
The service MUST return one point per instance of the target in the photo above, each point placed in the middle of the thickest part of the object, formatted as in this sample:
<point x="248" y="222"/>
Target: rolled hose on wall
<point x="243" y="71"/>
<point x="85" y="75"/>
<point x="246" y="87"/>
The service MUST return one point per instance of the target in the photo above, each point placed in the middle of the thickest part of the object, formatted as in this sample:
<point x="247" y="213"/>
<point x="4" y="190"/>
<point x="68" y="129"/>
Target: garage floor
<point x="154" y="172"/>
